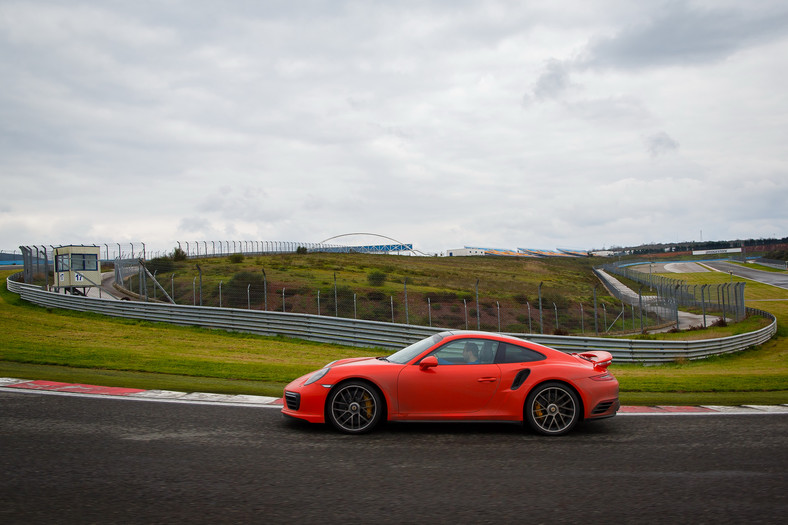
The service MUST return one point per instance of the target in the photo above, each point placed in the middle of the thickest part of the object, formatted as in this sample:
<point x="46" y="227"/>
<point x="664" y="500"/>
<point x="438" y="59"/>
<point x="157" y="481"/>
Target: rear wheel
<point x="354" y="407"/>
<point x="552" y="409"/>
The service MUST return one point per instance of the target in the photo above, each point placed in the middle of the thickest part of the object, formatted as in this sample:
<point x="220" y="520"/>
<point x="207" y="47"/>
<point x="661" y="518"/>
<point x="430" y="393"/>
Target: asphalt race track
<point x="90" y="460"/>
<point x="779" y="279"/>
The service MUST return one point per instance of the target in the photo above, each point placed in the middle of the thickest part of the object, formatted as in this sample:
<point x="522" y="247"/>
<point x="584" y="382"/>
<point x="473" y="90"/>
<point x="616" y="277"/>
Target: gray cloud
<point x="660" y="143"/>
<point x="680" y="33"/>
<point x="553" y="81"/>
<point x="437" y="123"/>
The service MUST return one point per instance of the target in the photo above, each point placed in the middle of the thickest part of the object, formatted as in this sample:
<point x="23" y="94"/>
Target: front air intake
<point x="293" y="400"/>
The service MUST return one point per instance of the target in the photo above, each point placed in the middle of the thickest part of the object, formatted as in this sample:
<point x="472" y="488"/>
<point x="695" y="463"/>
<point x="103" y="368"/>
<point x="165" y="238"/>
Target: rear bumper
<point x="600" y="398"/>
<point x="604" y="409"/>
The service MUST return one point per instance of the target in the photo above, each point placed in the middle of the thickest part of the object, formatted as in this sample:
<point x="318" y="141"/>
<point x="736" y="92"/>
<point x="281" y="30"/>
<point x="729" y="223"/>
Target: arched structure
<point x="398" y="246"/>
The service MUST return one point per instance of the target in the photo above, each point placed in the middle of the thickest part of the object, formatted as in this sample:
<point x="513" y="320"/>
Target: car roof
<point x="479" y="333"/>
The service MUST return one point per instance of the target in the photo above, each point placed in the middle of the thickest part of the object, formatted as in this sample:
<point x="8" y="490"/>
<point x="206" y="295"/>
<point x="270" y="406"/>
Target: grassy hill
<point x="440" y="291"/>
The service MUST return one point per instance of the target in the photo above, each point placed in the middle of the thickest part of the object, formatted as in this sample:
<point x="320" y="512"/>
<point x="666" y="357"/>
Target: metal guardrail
<point x="379" y="334"/>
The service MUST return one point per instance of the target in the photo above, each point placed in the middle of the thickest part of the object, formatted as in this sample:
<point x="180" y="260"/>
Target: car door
<point x="453" y="385"/>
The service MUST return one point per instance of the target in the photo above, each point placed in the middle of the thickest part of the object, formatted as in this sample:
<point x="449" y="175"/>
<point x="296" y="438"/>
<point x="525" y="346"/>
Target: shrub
<point x="178" y="255"/>
<point x="161" y="264"/>
<point x="521" y="298"/>
<point x="376" y="296"/>
<point x="236" y="258"/>
<point x="376" y="278"/>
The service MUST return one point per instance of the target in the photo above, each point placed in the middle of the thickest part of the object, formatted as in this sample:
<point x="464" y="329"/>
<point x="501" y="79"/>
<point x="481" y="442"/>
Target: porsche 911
<point x="459" y="376"/>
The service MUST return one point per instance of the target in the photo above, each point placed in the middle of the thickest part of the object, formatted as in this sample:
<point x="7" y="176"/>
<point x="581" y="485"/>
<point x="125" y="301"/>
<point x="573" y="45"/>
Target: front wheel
<point x="354" y="407"/>
<point x="552" y="409"/>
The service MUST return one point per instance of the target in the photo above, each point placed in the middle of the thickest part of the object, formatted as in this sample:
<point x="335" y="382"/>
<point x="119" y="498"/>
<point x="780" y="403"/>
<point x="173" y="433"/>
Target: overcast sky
<point x="572" y="124"/>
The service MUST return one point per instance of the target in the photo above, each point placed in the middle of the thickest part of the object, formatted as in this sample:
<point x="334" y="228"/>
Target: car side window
<point x="509" y="353"/>
<point x="466" y="352"/>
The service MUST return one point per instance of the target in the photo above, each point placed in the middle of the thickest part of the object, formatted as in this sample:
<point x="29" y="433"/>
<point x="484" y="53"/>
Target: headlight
<point x="317" y="375"/>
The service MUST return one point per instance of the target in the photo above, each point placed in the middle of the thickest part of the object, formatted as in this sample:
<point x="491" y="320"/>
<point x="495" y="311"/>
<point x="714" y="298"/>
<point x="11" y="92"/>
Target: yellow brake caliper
<point x="368" y="405"/>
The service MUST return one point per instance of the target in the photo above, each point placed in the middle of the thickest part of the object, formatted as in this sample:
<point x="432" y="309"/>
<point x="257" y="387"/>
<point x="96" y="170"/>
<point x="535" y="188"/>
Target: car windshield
<point x="409" y="352"/>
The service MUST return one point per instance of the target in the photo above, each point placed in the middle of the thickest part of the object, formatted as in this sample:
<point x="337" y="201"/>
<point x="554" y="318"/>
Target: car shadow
<point x="453" y="428"/>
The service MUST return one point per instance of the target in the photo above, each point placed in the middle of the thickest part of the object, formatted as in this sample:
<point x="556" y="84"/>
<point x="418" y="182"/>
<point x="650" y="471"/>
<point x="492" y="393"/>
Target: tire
<point x="552" y="409"/>
<point x="354" y="407"/>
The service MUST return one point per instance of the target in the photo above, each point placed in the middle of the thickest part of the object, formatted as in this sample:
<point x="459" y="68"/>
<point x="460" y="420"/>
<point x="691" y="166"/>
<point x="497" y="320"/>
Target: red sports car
<point x="459" y="376"/>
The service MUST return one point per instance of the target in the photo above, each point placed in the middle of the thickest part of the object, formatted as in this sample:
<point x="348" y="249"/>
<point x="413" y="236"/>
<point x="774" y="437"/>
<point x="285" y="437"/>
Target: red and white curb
<point x="54" y="387"/>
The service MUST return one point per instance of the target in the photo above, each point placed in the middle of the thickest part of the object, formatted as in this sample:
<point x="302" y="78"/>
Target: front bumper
<point x="305" y="402"/>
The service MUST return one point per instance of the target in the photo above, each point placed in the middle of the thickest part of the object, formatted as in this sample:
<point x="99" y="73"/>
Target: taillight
<point x="607" y="376"/>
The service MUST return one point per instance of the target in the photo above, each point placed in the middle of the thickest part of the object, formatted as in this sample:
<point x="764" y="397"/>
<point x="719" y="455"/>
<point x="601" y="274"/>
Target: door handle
<point x="487" y="379"/>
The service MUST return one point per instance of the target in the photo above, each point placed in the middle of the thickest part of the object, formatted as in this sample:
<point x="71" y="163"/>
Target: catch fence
<point x="725" y="300"/>
<point x="543" y="311"/>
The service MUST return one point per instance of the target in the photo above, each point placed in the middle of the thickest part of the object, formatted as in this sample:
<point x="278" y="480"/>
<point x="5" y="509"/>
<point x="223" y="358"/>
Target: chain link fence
<point x="777" y="264"/>
<point x="544" y="311"/>
<point x="654" y="306"/>
<point x="724" y="300"/>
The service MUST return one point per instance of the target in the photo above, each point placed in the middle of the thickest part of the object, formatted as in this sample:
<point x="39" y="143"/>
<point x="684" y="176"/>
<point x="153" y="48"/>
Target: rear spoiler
<point x="599" y="358"/>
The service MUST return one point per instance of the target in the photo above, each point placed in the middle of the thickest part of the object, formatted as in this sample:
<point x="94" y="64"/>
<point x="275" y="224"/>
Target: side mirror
<point x="428" y="362"/>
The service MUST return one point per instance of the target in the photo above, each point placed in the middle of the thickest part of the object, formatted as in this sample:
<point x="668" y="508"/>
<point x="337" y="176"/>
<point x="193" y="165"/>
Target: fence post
<point x="200" y="270"/>
<point x="220" y="294"/>
<point x="478" y="319"/>
<point x="265" y="293"/>
<point x="541" y="323"/>
<point x="407" y="316"/>
<point x="640" y="306"/>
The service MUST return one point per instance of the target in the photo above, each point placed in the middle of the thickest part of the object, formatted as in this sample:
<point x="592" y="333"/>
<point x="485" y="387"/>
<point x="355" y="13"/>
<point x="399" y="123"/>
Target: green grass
<point x="67" y="346"/>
